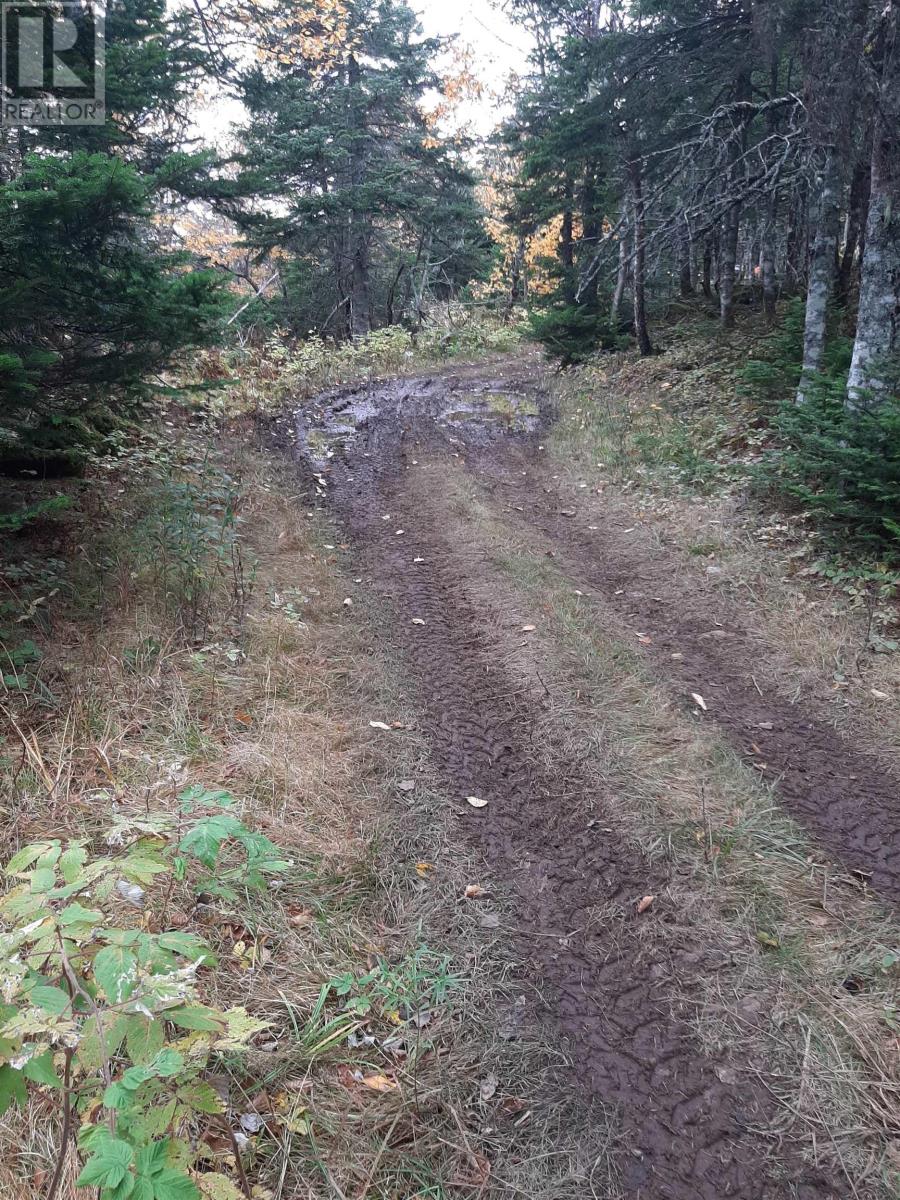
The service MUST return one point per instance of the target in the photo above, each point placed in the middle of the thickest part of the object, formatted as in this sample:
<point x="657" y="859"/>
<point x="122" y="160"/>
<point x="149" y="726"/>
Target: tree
<point x="89" y="305"/>
<point x="341" y="169"/>
<point x="91" y="301"/>
<point x="877" y="344"/>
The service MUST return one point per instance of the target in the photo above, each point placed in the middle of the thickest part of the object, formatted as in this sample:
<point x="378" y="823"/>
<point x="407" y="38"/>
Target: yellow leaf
<point x="380" y="1083"/>
<point x="423" y="868"/>
<point x="218" y="1187"/>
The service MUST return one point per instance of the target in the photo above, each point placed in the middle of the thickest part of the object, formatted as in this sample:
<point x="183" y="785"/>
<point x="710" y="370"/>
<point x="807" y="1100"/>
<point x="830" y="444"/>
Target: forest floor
<point x="590" y="776"/>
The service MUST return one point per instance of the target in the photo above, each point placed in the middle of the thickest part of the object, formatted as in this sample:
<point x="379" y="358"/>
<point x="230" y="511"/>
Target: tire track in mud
<point x="607" y="993"/>
<point x="610" y="988"/>
<point x="846" y="799"/>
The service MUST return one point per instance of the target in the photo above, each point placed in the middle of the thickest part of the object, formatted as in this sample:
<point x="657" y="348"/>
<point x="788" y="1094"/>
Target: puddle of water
<point x="484" y="410"/>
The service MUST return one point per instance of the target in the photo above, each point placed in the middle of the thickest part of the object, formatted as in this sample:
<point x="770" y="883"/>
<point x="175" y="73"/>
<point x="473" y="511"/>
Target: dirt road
<point x="614" y="971"/>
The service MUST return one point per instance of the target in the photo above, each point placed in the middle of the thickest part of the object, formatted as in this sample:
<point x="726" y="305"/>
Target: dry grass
<point x="810" y="1005"/>
<point x="275" y="704"/>
<point x="669" y="446"/>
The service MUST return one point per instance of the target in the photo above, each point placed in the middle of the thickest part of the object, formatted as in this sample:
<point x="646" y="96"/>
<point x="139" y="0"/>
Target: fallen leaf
<point x="645" y="903"/>
<point x="768" y="940"/>
<point x="476" y="802"/>
<point x="488" y="1087"/>
<point x="423" y="868"/>
<point x="380" y="1083"/>
<point x="406" y="785"/>
<point x="529" y="628"/>
<point x="243" y="718"/>
<point x="473" y="891"/>
<point x="303" y="918"/>
<point x="699" y="701"/>
<point x="379" y="725"/>
<point x="880" y="695"/>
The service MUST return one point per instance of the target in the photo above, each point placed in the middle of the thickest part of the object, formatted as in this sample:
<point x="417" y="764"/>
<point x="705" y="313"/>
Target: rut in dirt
<point x="846" y="799"/>
<point x="691" y="1124"/>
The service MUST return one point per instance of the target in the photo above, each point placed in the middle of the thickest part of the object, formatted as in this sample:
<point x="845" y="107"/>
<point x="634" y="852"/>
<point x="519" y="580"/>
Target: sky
<point x="499" y="47"/>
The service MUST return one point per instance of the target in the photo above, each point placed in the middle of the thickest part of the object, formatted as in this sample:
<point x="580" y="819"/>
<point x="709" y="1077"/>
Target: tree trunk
<point x="640" y="310"/>
<point x="707" y="266"/>
<point x="735" y="182"/>
<point x="567" y="254"/>
<point x="857" y="216"/>
<point x="821" y="267"/>
<point x="621" y="278"/>
<point x="767" y="259"/>
<point x="877" y="345"/>
<point x="360" y="306"/>
<point x="796" y="255"/>
<point x="516" y="282"/>
<point x="728" y="265"/>
<point x="686" y="263"/>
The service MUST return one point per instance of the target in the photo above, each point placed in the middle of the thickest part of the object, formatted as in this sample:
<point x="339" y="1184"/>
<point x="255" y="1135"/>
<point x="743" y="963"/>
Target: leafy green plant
<point x="14" y="522"/>
<point x="420" y="981"/>
<point x="108" y="1016"/>
<point x="17" y="657"/>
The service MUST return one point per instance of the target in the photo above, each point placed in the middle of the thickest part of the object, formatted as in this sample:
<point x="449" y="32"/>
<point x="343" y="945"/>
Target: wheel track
<point x="613" y="992"/>
<point x="687" y="1130"/>
<point x="848" y="800"/>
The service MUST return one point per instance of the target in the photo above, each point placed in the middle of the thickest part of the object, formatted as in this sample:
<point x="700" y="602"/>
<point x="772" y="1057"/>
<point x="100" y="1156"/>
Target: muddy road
<point x="611" y="978"/>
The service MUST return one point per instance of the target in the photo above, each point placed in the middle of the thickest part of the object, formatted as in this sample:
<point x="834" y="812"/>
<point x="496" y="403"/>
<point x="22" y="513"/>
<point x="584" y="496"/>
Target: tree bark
<point x="821" y="267"/>
<point x="857" y="216"/>
<point x="796" y="253"/>
<point x="767" y="259"/>
<point x="621" y="278"/>
<point x="707" y="266"/>
<point x="728" y="265"/>
<point x="877" y="346"/>
<point x="360" y="305"/>
<point x="516" y="281"/>
<point x="640" y="309"/>
<point x="728" y="254"/>
<point x="686" y="260"/>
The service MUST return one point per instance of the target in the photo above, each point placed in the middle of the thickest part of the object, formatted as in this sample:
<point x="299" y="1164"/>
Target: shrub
<point x="572" y="333"/>
<point x="843" y="463"/>
<point x="106" y="1016"/>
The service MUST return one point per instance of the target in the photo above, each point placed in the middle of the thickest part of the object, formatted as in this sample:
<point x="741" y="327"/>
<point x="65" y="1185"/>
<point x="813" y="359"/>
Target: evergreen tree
<point x="342" y="173"/>
<point x="90" y="300"/>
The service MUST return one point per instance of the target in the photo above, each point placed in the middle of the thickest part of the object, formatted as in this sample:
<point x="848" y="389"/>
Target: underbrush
<point x="669" y="424"/>
<point x="713" y="421"/>
<point x="257" y="973"/>
<point x="269" y="377"/>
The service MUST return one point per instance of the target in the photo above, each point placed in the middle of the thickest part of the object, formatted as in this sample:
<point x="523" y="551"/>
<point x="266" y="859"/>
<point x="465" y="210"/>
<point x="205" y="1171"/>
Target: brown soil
<point x="694" y="1126"/>
<point x="847" y="800"/>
